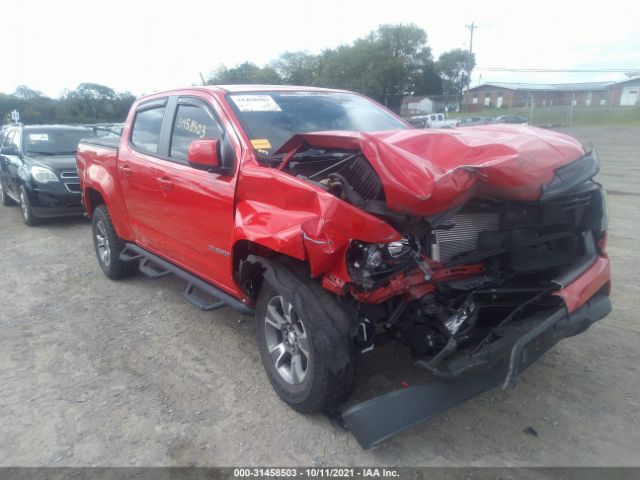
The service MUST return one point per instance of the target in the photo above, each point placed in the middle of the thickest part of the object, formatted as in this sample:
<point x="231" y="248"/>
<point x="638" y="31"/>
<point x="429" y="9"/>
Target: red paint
<point x="413" y="284"/>
<point x="586" y="285"/>
<point x="427" y="171"/>
<point x="204" y="153"/>
<point x="196" y="218"/>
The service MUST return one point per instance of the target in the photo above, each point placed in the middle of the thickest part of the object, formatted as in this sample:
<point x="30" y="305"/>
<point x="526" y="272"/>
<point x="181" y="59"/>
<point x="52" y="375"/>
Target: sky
<point x="145" y="46"/>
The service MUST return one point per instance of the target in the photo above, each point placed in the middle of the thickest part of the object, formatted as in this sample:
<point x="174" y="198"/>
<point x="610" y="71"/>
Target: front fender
<point x="295" y="218"/>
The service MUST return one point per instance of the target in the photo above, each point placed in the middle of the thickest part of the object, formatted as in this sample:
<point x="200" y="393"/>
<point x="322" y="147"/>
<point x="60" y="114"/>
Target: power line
<point x="560" y="70"/>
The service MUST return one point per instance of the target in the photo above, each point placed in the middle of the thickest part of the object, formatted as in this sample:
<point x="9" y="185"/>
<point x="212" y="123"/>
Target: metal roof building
<point x="508" y="95"/>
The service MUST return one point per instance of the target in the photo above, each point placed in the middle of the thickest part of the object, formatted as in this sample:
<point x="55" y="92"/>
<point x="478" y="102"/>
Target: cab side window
<point x="145" y="133"/>
<point x="192" y="122"/>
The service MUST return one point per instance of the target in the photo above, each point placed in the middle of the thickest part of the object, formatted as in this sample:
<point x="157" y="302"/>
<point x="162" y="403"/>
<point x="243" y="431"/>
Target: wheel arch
<point x="250" y="274"/>
<point x="92" y="198"/>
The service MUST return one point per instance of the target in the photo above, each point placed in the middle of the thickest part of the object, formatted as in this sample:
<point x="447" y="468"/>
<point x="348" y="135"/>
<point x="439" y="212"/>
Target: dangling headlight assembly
<point x="369" y="263"/>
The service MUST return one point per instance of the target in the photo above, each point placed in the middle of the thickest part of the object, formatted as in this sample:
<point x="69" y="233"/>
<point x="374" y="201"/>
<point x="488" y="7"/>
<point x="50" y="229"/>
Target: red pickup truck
<point x="340" y="227"/>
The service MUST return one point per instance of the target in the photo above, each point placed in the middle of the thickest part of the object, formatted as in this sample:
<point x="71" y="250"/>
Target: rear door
<point x="196" y="206"/>
<point x="137" y="176"/>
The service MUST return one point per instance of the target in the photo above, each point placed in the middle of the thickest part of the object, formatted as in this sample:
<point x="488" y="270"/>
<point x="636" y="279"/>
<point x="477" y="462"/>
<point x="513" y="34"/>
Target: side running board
<point x="193" y="298"/>
<point x="153" y="266"/>
<point x="149" y="269"/>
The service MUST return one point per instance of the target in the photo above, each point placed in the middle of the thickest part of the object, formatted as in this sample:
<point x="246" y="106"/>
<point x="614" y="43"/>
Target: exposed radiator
<point x="460" y="234"/>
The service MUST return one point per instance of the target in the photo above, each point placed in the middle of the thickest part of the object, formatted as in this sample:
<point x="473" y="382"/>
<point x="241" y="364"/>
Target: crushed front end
<point x="500" y="254"/>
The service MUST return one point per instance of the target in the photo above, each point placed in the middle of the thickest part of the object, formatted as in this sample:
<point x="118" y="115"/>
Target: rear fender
<point x="97" y="173"/>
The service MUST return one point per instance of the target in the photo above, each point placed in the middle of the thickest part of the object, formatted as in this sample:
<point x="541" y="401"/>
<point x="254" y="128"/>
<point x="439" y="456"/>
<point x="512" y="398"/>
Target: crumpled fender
<point x="425" y="171"/>
<point x="300" y="220"/>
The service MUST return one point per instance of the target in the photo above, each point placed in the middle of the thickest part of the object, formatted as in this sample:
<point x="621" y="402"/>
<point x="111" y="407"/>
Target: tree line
<point x="88" y="103"/>
<point x="387" y="64"/>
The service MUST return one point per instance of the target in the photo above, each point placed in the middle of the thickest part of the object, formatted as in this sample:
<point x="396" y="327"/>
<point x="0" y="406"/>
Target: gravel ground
<point x="96" y="372"/>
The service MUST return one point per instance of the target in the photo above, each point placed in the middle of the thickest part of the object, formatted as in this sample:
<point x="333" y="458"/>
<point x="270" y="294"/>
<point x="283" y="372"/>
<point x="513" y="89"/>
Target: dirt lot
<point x="95" y="372"/>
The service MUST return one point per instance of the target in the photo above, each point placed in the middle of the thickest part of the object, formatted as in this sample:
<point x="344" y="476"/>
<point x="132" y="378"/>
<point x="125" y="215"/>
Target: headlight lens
<point x="371" y="262"/>
<point x="43" y="175"/>
<point x="399" y="248"/>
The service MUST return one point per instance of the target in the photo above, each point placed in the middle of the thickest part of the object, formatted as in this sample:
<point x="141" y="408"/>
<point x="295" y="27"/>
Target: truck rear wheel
<point x="295" y="368"/>
<point x="109" y="246"/>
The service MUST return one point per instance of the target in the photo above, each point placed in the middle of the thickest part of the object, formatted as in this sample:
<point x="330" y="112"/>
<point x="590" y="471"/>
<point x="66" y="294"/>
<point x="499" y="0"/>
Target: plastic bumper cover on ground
<point x="382" y="417"/>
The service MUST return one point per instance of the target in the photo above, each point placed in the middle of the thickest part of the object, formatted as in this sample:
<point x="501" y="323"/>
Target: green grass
<point x="557" y="115"/>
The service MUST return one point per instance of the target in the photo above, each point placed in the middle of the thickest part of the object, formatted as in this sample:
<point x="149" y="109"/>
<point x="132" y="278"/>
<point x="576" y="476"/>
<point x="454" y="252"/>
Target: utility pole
<point x="471" y="28"/>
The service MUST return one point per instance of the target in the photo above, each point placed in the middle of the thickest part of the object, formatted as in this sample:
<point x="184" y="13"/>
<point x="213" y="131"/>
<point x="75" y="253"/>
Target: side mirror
<point x="9" y="150"/>
<point x="215" y="156"/>
<point x="204" y="154"/>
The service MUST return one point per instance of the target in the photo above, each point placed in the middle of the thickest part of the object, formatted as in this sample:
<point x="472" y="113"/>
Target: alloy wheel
<point x="287" y="340"/>
<point x="102" y="242"/>
<point x="24" y="206"/>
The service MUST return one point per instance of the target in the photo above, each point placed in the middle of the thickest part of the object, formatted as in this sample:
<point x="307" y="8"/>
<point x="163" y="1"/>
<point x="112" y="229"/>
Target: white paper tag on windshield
<point x="256" y="103"/>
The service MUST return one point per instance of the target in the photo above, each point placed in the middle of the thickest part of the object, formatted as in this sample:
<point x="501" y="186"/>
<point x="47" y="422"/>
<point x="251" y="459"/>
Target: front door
<point x="196" y="206"/>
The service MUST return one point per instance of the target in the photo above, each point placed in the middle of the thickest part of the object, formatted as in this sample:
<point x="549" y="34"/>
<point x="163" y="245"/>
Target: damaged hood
<point x="425" y="172"/>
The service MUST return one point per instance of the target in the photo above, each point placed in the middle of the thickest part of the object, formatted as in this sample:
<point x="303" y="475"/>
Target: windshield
<point x="54" y="142"/>
<point x="271" y="118"/>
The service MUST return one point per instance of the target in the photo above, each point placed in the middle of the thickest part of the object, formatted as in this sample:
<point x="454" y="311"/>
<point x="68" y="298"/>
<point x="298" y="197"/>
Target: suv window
<point x="192" y="122"/>
<point x="146" y="129"/>
<point x="16" y="140"/>
<point x="7" y="138"/>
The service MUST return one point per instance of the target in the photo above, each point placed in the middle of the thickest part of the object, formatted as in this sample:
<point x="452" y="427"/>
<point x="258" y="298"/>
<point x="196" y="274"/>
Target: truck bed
<point x="111" y="142"/>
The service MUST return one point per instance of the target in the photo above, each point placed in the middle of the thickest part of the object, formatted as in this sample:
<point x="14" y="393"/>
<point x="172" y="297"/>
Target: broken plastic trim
<point x="380" y="418"/>
<point x="572" y="175"/>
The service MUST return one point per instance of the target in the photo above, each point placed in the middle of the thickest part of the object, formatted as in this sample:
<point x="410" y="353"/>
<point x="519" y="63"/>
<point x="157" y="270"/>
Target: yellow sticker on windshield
<point x="261" y="143"/>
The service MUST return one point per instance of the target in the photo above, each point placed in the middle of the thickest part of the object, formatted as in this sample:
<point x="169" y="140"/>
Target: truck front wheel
<point x="109" y="246"/>
<point x="293" y="365"/>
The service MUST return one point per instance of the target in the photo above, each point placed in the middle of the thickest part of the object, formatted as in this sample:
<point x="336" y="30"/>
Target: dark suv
<point x="38" y="170"/>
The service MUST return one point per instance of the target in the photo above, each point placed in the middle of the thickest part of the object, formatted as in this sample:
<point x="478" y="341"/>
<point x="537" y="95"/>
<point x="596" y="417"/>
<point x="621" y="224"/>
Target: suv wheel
<point x="109" y="246"/>
<point x="25" y="208"/>
<point x="294" y="367"/>
<point x="4" y="198"/>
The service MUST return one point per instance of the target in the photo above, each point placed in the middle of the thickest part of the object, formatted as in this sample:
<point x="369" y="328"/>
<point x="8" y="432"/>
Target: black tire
<point x="5" y="199"/>
<point x="25" y="208"/>
<point x="320" y="390"/>
<point x="108" y="246"/>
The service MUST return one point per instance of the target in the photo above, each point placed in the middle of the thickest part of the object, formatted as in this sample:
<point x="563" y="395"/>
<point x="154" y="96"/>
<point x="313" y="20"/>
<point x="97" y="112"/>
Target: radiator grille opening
<point x="460" y="234"/>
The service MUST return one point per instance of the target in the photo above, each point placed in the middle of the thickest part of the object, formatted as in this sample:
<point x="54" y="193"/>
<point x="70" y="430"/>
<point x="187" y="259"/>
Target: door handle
<point x="165" y="183"/>
<point x="125" y="170"/>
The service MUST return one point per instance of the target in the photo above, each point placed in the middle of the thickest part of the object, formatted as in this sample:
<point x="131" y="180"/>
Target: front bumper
<point x="382" y="417"/>
<point x="55" y="200"/>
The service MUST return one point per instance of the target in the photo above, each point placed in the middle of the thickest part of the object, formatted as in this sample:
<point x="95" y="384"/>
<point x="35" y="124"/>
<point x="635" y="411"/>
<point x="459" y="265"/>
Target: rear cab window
<point x="145" y="133"/>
